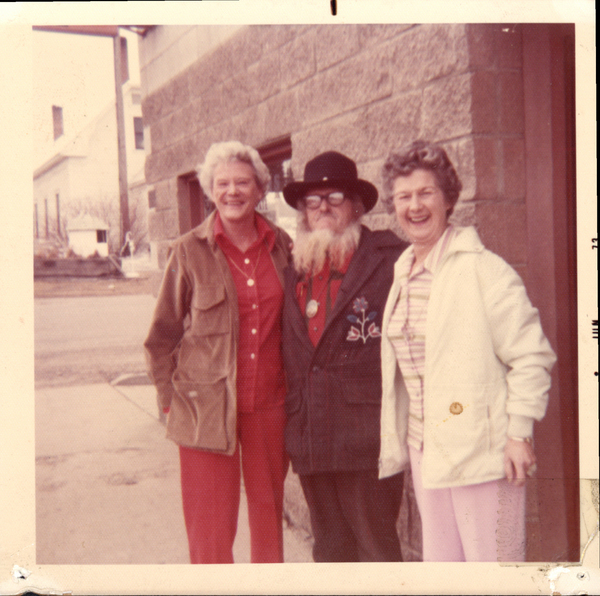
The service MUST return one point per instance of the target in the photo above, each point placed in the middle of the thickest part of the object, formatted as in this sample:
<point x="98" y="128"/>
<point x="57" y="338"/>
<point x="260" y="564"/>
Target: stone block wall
<point x="359" y="89"/>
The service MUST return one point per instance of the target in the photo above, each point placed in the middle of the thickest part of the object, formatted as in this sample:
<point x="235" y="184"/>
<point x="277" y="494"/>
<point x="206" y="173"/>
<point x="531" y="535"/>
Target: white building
<point x="82" y="176"/>
<point x="87" y="236"/>
<point x="78" y="173"/>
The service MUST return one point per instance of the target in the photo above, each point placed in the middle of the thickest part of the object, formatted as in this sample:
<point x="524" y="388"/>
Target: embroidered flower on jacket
<point x="360" y="306"/>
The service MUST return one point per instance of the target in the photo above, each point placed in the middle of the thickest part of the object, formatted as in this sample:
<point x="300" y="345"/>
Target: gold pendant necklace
<point x="250" y="278"/>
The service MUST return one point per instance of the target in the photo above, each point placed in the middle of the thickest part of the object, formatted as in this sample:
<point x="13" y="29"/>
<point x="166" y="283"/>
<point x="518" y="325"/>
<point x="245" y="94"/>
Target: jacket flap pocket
<point x="210" y="312"/>
<point x="198" y="415"/>
<point x="206" y="297"/>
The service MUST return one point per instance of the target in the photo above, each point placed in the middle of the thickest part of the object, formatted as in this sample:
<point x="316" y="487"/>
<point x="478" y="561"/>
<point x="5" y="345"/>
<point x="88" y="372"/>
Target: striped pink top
<point x="406" y="329"/>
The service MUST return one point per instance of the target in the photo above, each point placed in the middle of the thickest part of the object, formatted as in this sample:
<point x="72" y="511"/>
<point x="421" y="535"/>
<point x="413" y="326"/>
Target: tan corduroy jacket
<point x="191" y="349"/>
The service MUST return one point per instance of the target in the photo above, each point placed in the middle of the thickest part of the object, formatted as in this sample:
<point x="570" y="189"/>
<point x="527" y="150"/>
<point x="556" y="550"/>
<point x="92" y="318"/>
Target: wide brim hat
<point x="331" y="169"/>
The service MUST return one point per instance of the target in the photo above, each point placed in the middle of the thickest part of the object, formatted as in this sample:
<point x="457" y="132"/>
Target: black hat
<point x="331" y="169"/>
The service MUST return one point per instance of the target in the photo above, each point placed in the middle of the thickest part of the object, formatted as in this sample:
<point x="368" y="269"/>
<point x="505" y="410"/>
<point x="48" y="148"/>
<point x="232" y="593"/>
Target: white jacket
<point x="485" y="350"/>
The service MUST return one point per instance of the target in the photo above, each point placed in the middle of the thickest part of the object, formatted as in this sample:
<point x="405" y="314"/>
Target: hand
<point x="519" y="459"/>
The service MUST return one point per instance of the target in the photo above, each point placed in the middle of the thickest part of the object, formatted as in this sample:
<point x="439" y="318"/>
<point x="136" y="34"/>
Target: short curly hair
<point x="232" y="151"/>
<point x="420" y="155"/>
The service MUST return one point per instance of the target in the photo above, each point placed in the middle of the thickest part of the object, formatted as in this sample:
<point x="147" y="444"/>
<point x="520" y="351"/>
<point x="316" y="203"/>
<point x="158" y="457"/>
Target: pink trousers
<point x="210" y="488"/>
<point x="479" y="522"/>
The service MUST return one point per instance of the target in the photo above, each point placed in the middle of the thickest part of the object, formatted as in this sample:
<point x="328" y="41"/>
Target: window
<point x="193" y="206"/>
<point x="124" y="60"/>
<point x="277" y="156"/>
<point x="101" y="236"/>
<point x="138" y="127"/>
<point x="57" y="121"/>
<point x="152" y="199"/>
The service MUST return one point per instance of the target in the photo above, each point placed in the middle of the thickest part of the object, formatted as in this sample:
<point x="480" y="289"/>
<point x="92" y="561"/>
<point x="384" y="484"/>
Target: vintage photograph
<point x="306" y="293"/>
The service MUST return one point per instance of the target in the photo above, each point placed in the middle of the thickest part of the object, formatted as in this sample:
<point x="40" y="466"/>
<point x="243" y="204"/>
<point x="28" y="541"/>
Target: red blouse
<point x="260" y="376"/>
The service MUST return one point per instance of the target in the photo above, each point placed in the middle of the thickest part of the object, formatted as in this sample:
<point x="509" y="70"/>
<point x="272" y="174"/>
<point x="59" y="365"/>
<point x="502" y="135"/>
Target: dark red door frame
<point x="548" y="75"/>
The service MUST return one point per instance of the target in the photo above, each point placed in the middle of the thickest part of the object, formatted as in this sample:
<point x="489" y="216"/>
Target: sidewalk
<point x="107" y="482"/>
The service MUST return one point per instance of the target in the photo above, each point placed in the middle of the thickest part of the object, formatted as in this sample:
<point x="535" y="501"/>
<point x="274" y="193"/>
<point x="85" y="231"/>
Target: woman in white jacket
<point x="466" y="371"/>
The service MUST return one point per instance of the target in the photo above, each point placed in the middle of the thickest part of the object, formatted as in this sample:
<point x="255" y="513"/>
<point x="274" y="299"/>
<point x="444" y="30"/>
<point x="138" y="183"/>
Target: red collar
<point x="265" y="231"/>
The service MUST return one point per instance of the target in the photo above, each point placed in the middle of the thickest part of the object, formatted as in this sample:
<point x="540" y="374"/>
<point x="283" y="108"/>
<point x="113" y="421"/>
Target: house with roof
<point x="87" y="235"/>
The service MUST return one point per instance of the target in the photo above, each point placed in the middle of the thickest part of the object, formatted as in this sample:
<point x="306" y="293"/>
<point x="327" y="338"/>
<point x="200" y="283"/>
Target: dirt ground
<point x="59" y="287"/>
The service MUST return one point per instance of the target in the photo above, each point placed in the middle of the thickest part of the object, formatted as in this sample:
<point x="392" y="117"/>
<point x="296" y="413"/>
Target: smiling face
<point x="235" y="191"/>
<point x="421" y="209"/>
<point x="328" y="217"/>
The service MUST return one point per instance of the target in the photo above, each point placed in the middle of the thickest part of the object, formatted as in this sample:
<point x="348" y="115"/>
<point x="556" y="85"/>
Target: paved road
<point x="89" y="339"/>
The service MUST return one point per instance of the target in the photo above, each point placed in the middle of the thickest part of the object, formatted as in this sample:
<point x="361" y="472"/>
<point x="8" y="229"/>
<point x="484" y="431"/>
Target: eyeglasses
<point x="335" y="199"/>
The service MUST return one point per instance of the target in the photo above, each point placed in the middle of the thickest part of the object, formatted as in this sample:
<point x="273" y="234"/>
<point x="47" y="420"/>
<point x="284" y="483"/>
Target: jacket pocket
<point x="362" y="393"/>
<point x="210" y="314"/>
<point x="359" y="381"/>
<point x="198" y="416"/>
<point x="457" y="426"/>
<point x="361" y="416"/>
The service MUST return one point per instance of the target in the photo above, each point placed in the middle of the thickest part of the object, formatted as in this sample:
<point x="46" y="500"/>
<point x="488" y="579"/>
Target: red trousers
<point x="210" y="488"/>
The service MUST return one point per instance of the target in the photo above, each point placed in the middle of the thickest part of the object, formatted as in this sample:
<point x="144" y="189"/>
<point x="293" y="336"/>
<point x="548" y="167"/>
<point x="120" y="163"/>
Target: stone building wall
<point x="358" y="89"/>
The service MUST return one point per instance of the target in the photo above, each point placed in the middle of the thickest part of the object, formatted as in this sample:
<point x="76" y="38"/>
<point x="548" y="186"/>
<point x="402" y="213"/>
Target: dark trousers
<point x="353" y="515"/>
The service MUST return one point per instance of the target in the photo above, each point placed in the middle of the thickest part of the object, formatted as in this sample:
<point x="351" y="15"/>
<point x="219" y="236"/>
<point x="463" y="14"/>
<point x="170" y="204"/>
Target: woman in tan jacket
<point x="214" y="353"/>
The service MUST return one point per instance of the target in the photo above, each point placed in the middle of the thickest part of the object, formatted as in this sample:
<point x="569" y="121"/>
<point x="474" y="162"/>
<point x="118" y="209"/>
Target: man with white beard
<point x="334" y="299"/>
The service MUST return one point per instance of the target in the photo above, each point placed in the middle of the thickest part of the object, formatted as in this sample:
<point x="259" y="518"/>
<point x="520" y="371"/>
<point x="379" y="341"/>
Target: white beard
<point x="311" y="249"/>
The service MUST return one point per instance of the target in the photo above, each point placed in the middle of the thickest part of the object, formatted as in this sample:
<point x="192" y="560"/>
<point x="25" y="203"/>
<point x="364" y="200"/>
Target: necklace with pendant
<point x="312" y="306"/>
<point x="250" y="278"/>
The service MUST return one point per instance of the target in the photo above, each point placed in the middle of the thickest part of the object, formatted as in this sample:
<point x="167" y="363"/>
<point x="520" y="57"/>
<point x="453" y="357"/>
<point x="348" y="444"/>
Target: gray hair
<point x="232" y="151"/>
<point x="420" y="155"/>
